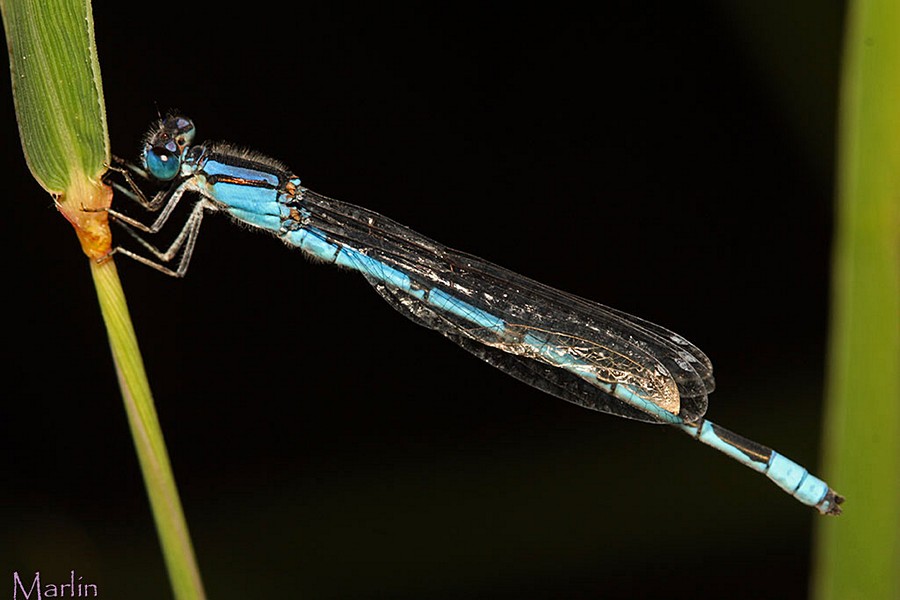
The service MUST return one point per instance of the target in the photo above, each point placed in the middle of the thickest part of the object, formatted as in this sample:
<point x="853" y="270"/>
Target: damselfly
<point x="588" y="354"/>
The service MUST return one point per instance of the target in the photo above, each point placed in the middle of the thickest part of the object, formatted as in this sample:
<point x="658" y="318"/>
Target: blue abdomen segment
<point x="485" y="327"/>
<point x="494" y="331"/>
<point x="629" y="396"/>
<point x="316" y="244"/>
<point x="788" y="475"/>
<point x="797" y="481"/>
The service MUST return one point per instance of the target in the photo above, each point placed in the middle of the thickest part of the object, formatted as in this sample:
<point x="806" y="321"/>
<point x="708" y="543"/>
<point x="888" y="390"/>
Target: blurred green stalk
<point x="62" y="125"/>
<point x="859" y="553"/>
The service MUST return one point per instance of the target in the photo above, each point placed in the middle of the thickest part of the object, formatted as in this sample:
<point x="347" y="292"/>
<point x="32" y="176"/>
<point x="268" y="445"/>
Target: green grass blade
<point x="859" y="554"/>
<point x="56" y="89"/>
<point x="62" y="124"/>
<point x="148" y="438"/>
<point x="58" y="97"/>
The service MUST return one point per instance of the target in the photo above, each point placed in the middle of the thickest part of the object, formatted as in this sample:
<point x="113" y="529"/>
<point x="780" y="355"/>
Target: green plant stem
<point x="147" y="435"/>
<point x="859" y="554"/>
<point x="58" y="96"/>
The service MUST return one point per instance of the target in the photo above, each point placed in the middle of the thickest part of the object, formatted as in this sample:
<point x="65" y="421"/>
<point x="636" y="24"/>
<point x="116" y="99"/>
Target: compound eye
<point x="161" y="163"/>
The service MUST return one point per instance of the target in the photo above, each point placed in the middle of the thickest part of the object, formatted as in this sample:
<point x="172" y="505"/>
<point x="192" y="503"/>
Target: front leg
<point x="133" y="191"/>
<point x="184" y="242"/>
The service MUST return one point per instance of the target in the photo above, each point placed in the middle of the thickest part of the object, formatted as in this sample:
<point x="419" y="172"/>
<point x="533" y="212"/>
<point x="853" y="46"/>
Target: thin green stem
<point x="62" y="124"/>
<point x="147" y="435"/>
<point x="859" y="554"/>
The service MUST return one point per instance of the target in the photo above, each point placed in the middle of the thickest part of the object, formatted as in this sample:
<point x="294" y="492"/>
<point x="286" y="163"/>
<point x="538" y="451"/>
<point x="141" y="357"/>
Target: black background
<point x="674" y="161"/>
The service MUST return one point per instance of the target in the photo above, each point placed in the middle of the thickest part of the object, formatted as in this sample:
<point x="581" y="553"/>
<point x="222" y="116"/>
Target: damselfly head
<point x="165" y="146"/>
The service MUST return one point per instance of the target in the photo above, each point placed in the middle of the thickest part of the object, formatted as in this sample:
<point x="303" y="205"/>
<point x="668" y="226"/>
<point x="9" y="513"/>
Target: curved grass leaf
<point x="62" y="124"/>
<point x="859" y="554"/>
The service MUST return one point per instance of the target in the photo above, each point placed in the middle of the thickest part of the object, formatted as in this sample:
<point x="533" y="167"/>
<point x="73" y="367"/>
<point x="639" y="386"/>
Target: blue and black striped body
<point x="572" y="348"/>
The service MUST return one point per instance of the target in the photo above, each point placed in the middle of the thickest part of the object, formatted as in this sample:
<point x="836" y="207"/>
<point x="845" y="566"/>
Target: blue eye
<point x="161" y="163"/>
